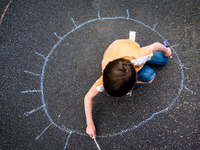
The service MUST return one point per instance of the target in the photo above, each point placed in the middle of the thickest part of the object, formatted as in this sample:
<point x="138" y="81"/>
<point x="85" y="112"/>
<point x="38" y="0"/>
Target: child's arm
<point x="160" y="47"/>
<point x="90" y="130"/>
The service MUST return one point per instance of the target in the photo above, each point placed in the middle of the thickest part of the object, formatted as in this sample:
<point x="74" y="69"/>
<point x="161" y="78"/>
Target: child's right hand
<point x="91" y="131"/>
<point x="168" y="52"/>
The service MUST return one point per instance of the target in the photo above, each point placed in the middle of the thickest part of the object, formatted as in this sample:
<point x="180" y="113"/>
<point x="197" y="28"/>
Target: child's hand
<point x="168" y="52"/>
<point x="91" y="131"/>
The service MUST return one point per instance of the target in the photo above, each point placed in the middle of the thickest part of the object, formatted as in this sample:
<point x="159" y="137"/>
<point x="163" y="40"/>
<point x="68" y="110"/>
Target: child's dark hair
<point x="119" y="77"/>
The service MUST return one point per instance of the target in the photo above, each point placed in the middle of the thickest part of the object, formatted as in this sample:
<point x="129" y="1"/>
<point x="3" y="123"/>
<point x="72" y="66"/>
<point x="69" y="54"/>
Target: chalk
<point x="97" y="144"/>
<point x="132" y="35"/>
<point x="129" y="93"/>
<point x="165" y="43"/>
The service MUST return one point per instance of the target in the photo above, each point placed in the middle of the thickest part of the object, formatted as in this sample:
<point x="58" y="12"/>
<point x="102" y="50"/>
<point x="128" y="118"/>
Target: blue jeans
<point x="146" y="74"/>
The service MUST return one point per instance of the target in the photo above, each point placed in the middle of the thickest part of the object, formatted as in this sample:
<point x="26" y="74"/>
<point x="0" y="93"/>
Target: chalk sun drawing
<point x="69" y="131"/>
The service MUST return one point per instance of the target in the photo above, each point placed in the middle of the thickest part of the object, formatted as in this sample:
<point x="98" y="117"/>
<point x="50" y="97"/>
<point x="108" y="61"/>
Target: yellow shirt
<point x="126" y="49"/>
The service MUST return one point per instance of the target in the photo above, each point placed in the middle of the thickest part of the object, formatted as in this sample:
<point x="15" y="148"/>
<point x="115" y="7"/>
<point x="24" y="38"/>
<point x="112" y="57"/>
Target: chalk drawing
<point x="185" y="67"/>
<point x="63" y="128"/>
<point x="74" y="22"/>
<point x="40" y="55"/>
<point x="4" y="12"/>
<point x="57" y="35"/>
<point x="32" y="73"/>
<point x="27" y="113"/>
<point x="174" y="45"/>
<point x="31" y="91"/>
<point x="43" y="131"/>
<point x="155" y="25"/>
<point x="188" y="89"/>
<point x="97" y="144"/>
<point x="67" y="140"/>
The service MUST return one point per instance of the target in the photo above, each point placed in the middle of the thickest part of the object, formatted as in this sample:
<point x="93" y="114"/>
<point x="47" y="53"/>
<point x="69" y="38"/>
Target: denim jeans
<point x="146" y="74"/>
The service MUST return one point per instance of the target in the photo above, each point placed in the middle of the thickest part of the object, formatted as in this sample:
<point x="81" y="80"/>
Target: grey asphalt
<point x="51" y="54"/>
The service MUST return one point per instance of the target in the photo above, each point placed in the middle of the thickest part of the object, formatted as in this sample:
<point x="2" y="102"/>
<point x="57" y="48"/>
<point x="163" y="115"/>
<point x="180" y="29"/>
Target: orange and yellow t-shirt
<point x="124" y="48"/>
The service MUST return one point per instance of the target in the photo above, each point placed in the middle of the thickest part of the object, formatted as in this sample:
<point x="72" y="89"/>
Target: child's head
<point x="119" y="77"/>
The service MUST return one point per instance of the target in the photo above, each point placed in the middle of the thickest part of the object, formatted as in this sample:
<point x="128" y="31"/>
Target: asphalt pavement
<point x="51" y="54"/>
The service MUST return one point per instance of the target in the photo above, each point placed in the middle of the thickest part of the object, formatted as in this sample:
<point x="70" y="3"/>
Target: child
<point x="123" y="69"/>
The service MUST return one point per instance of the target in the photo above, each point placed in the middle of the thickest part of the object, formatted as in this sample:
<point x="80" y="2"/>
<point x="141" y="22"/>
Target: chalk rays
<point x="155" y="26"/>
<point x="57" y="35"/>
<point x="31" y="91"/>
<point x="188" y="89"/>
<point x="127" y="14"/>
<point x="184" y="67"/>
<point x="40" y="55"/>
<point x="74" y="22"/>
<point x="35" y="74"/>
<point x="28" y="113"/>
<point x="43" y="132"/>
<point x="67" y="140"/>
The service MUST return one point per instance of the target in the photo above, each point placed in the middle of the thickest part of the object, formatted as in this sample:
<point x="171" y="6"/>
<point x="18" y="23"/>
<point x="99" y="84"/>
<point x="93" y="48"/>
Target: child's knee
<point x="146" y="75"/>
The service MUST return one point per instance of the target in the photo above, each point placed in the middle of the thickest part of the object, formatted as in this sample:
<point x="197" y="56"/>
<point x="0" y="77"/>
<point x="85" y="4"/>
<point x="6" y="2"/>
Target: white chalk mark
<point x="155" y="25"/>
<point x="57" y="35"/>
<point x="74" y="22"/>
<point x="64" y="128"/>
<point x="132" y="35"/>
<point x="184" y="67"/>
<point x="40" y="55"/>
<point x="32" y="73"/>
<point x="43" y="131"/>
<point x="97" y="144"/>
<point x="31" y="91"/>
<point x="67" y="140"/>
<point x="129" y="93"/>
<point x="174" y="45"/>
<point x="188" y="89"/>
<point x="99" y="15"/>
<point x="28" y="113"/>
<point x="127" y="14"/>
